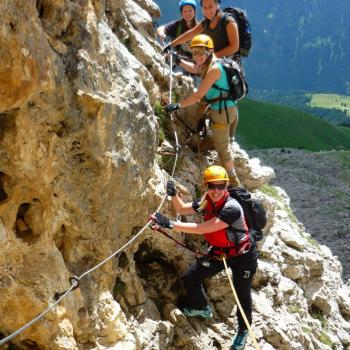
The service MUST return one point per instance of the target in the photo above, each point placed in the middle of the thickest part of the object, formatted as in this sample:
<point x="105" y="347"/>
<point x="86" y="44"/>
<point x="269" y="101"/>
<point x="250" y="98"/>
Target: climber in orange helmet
<point x="220" y="213"/>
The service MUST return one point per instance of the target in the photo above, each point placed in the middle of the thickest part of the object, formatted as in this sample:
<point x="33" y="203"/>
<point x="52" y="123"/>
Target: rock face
<point x="79" y="175"/>
<point x="319" y="188"/>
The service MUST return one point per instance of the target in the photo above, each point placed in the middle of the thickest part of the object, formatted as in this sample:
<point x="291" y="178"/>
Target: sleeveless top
<point x="214" y="93"/>
<point x="219" y="33"/>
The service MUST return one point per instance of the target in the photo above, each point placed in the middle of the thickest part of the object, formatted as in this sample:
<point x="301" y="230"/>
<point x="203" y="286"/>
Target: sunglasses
<point x="212" y="186"/>
<point x="198" y="52"/>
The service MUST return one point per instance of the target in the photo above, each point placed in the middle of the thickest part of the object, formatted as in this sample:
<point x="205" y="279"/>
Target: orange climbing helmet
<point x="215" y="173"/>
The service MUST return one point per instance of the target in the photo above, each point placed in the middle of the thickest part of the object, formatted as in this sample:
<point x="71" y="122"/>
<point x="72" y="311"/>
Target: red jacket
<point x="219" y="238"/>
<point x="216" y="238"/>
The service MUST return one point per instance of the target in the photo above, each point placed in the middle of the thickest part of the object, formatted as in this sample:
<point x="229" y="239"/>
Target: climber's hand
<point x="171" y="107"/>
<point x="163" y="221"/>
<point x="170" y="188"/>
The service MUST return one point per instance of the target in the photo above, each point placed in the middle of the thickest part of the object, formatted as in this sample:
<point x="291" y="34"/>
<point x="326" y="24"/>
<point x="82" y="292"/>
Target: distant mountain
<point x="298" y="45"/>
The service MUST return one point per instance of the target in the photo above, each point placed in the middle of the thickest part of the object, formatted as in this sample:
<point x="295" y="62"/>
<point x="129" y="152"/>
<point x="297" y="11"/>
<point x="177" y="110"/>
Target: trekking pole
<point x="251" y="333"/>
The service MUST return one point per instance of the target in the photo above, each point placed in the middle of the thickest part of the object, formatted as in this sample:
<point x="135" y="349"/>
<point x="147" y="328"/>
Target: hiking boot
<point x="204" y="313"/>
<point x="239" y="340"/>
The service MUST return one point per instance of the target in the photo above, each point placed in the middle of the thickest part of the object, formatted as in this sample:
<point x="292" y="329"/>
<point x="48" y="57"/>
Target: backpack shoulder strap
<point x="178" y="29"/>
<point x="223" y="22"/>
<point x="229" y="198"/>
<point x="223" y="19"/>
<point x="215" y="86"/>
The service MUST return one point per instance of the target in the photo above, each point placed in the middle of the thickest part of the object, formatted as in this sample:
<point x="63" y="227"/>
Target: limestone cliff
<point x="79" y="175"/>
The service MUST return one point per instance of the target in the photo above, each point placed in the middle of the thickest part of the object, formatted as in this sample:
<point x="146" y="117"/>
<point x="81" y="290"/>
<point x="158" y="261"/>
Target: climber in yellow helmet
<point x="224" y="115"/>
<point x="220" y="213"/>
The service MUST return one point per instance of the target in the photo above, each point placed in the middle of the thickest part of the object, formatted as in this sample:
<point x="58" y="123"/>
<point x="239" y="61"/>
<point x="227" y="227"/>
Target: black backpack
<point x="238" y="87"/>
<point x="254" y="212"/>
<point x="244" y="30"/>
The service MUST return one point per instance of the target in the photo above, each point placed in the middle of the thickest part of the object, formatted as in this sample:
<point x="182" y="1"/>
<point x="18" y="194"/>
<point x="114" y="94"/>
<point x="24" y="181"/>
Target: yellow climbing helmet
<point x="202" y="40"/>
<point x="215" y="173"/>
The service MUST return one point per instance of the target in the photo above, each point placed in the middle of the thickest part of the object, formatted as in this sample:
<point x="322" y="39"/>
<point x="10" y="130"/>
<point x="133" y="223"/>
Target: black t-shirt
<point x="175" y="29"/>
<point x="219" y="33"/>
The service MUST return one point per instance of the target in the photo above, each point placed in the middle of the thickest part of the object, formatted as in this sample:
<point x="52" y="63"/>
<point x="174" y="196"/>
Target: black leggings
<point x="243" y="269"/>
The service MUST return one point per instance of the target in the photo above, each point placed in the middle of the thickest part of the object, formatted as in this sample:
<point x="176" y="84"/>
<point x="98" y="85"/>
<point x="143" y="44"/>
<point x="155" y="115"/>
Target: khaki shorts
<point x="223" y="131"/>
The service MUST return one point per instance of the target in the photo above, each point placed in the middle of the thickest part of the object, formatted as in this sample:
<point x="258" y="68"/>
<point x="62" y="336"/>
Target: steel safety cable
<point x="37" y="318"/>
<point x="76" y="279"/>
<point x="75" y="282"/>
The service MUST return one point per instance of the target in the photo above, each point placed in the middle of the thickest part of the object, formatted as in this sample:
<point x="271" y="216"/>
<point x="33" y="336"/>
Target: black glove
<point x="171" y="107"/>
<point x="170" y="188"/>
<point x="176" y="57"/>
<point x="163" y="221"/>
<point x="167" y="48"/>
<point x="199" y="205"/>
<point x="196" y="204"/>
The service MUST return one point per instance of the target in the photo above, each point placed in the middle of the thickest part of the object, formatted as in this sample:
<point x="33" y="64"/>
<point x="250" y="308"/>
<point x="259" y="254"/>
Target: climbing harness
<point x="75" y="280"/>
<point x="251" y="333"/>
<point x="217" y="252"/>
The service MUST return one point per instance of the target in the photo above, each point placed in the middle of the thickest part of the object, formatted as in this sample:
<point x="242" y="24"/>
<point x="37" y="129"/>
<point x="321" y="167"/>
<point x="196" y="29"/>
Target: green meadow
<point x="265" y="125"/>
<point x="330" y="101"/>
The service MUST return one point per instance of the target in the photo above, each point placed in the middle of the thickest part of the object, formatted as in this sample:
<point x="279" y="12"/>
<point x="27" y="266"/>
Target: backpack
<point x="237" y="85"/>
<point x="244" y="30"/>
<point x="254" y="213"/>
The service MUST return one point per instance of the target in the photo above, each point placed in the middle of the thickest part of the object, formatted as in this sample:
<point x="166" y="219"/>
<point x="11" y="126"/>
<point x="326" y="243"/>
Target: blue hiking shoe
<point x="204" y="313"/>
<point x="239" y="340"/>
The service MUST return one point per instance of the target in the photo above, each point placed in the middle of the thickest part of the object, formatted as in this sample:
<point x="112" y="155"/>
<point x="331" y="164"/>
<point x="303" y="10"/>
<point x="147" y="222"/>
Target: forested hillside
<point x="301" y="44"/>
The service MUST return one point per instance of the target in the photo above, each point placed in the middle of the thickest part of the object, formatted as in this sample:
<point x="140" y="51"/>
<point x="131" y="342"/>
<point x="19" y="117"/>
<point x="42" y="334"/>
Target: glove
<point x="167" y="48"/>
<point x="170" y="188"/>
<point x="163" y="221"/>
<point x="199" y="205"/>
<point x="176" y="57"/>
<point x="196" y="205"/>
<point x="171" y="107"/>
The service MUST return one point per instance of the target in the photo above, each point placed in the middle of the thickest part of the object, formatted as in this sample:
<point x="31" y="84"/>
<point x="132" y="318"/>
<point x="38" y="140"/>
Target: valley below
<point x="318" y="184"/>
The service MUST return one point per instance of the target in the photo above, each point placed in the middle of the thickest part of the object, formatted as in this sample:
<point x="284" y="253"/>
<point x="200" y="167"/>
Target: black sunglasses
<point x="212" y="186"/>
